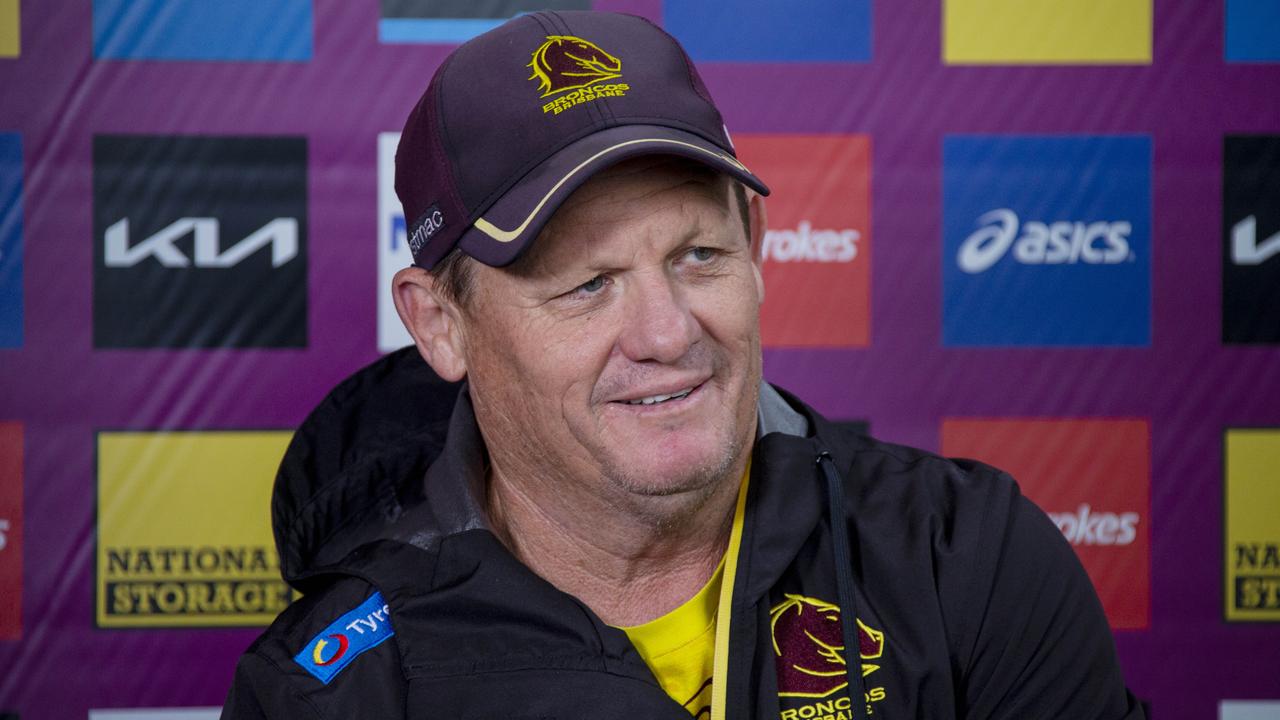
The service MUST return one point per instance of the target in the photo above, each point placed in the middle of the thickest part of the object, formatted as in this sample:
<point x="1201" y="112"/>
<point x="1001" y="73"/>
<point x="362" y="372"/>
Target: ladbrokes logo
<point x="817" y="251"/>
<point x="1046" y="240"/>
<point x="10" y="530"/>
<point x="565" y="63"/>
<point x="1092" y="477"/>
<point x="1252" y="528"/>
<point x="809" y="654"/>
<point x="1251" y="239"/>
<point x="184" y="536"/>
<point x="1087" y="526"/>
<point x="199" y="242"/>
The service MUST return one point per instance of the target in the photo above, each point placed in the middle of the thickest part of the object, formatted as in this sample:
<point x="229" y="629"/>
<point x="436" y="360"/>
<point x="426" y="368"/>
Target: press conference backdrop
<point x="1043" y="233"/>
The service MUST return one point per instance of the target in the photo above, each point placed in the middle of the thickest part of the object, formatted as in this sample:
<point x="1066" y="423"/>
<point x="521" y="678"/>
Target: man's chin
<point x="660" y="471"/>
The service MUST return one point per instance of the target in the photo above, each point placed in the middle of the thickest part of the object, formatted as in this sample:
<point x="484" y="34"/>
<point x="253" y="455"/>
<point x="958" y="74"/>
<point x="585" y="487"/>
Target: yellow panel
<point x="10" y="37"/>
<point x="184" y="529"/>
<point x="1252" y="525"/>
<point x="1035" y="32"/>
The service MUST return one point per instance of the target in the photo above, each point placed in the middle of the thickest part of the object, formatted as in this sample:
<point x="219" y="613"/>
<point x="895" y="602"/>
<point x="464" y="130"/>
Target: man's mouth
<point x="657" y="399"/>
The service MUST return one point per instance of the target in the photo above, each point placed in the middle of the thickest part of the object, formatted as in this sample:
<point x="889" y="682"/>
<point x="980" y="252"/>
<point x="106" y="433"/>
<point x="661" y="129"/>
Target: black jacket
<point x="969" y="602"/>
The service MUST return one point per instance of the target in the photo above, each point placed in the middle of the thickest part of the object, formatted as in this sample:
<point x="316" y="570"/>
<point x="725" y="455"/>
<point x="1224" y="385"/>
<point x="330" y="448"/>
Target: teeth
<point x="655" y="399"/>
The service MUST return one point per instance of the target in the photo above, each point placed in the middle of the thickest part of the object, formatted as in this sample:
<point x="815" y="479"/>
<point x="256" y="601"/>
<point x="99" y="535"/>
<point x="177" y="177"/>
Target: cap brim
<point x="503" y="231"/>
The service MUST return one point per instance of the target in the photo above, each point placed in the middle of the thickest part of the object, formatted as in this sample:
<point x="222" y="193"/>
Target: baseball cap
<point x="518" y="118"/>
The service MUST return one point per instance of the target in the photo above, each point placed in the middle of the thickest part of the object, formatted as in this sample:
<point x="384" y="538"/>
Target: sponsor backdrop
<point x="1043" y="234"/>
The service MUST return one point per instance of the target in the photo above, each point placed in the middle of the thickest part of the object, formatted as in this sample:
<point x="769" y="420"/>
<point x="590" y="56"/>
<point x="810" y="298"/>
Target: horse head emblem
<point x="565" y="62"/>
<point x="808" y="645"/>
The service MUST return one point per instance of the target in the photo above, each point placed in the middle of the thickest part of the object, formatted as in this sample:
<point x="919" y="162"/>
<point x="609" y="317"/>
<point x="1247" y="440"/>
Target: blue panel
<point x="431" y="30"/>
<point x="772" y="30"/>
<point x="10" y="240"/>
<point x="1253" y="31"/>
<point x="202" y="29"/>
<point x="1046" y="240"/>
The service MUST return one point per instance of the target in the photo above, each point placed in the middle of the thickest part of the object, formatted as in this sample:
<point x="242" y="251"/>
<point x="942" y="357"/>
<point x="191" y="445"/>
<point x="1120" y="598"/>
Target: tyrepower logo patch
<point x="1093" y="479"/>
<point x="184" y="531"/>
<point x="1252" y="525"/>
<point x="199" y="242"/>
<point x="1251" y="239"/>
<point x="1046" y="240"/>
<point x="1017" y="32"/>
<point x="817" y="248"/>
<point x="10" y="531"/>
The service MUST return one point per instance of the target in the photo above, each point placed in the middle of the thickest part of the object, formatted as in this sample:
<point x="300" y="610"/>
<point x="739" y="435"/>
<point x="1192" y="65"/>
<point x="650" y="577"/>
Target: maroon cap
<point x="518" y="118"/>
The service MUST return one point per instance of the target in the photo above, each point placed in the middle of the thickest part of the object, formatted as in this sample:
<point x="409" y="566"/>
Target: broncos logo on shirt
<point x="565" y="62"/>
<point x="808" y="644"/>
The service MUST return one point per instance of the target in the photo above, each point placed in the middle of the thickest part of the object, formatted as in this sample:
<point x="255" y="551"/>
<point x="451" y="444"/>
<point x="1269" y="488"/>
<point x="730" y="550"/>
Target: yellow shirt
<point x="682" y="648"/>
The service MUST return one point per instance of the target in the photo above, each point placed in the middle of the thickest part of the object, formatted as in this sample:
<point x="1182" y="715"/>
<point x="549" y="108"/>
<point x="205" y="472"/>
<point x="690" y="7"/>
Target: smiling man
<point x="594" y="507"/>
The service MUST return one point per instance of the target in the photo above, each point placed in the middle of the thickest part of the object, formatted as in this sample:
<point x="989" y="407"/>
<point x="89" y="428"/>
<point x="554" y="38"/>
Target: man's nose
<point x="659" y="323"/>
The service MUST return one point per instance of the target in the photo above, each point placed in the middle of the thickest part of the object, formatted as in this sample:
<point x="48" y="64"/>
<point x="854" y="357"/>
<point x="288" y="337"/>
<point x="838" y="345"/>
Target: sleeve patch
<point x="361" y="629"/>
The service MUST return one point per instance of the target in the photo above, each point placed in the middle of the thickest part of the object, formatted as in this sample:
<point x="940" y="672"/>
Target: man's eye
<point x="702" y="254"/>
<point x="591" y="286"/>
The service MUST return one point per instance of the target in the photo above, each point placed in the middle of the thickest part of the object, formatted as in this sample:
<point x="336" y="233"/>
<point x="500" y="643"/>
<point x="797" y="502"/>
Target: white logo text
<point x="1058" y="243"/>
<point x="281" y="234"/>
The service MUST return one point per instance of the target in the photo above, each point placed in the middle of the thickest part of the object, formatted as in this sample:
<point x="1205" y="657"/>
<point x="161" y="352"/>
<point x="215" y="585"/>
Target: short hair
<point x="455" y="274"/>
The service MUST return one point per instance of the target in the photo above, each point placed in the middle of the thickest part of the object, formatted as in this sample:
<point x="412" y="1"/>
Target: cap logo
<point x="566" y="63"/>
<point x="427" y="224"/>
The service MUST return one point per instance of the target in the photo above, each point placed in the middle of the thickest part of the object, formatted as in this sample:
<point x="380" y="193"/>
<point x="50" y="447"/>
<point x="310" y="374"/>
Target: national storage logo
<point x="199" y="242"/>
<point x="1093" y="478"/>
<point x="1251" y="526"/>
<point x="1020" y="32"/>
<point x="184" y="531"/>
<point x="10" y="530"/>
<point x="1046" y="240"/>
<point x="393" y="246"/>
<point x="772" y="31"/>
<point x="817" y="248"/>
<point x="1251" y="239"/>
<point x="455" y="21"/>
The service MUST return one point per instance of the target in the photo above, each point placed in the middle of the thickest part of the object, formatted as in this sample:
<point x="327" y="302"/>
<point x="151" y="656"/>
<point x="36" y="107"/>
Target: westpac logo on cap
<point x="1046" y="240"/>
<point x="817" y="249"/>
<point x="563" y="63"/>
<point x="365" y="627"/>
<point x="1093" y="478"/>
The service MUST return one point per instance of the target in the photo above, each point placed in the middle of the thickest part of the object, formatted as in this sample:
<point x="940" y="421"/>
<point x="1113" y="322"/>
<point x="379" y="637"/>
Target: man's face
<point x="623" y="351"/>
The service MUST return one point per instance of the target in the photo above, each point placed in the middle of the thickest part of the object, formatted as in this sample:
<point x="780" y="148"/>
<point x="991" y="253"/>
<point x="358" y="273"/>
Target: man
<point x="623" y="520"/>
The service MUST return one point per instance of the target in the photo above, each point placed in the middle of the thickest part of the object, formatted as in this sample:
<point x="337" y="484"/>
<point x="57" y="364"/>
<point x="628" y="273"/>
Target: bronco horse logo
<point x="565" y="62"/>
<point x="809" y="647"/>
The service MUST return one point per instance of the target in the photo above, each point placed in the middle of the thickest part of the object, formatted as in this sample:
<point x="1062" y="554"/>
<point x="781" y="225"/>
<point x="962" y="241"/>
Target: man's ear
<point x="434" y="322"/>
<point x="756" y="214"/>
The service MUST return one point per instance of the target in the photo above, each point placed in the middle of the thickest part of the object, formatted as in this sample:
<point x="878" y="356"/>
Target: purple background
<point x="1187" y="383"/>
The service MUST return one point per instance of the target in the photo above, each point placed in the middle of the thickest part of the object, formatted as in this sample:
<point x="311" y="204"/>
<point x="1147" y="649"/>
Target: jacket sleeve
<point x="1043" y="648"/>
<point x="261" y="691"/>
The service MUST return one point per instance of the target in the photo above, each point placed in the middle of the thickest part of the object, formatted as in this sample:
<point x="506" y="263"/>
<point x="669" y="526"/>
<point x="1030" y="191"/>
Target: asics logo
<point x="1040" y="243"/>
